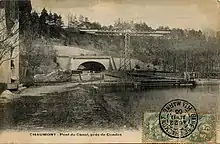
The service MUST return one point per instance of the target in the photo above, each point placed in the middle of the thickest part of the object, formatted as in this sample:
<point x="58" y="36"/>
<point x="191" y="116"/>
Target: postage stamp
<point x="178" y="121"/>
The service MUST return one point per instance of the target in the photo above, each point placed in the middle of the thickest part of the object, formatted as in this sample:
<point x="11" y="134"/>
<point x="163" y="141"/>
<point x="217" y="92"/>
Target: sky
<point x="187" y="14"/>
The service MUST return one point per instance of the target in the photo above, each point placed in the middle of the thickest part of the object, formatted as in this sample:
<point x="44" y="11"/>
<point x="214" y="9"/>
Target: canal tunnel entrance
<point x="91" y="66"/>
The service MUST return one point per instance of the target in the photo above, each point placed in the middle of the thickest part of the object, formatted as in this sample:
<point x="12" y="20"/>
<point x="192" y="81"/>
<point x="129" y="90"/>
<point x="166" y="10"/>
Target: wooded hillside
<point x="185" y="49"/>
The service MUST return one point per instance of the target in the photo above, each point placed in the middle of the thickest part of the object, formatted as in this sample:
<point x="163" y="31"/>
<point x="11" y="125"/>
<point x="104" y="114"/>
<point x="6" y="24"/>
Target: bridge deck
<point x="152" y="78"/>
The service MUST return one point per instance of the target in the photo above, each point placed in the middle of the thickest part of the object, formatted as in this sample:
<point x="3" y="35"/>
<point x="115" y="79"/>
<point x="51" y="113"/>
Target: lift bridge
<point x="125" y="58"/>
<point x="145" y="78"/>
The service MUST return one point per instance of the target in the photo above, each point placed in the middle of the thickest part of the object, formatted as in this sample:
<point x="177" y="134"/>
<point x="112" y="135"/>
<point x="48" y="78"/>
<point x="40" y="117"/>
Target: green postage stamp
<point x="178" y="121"/>
<point x="109" y="71"/>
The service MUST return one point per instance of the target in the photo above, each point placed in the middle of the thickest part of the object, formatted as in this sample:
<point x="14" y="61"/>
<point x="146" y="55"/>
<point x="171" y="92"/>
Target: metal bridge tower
<point x="125" y="60"/>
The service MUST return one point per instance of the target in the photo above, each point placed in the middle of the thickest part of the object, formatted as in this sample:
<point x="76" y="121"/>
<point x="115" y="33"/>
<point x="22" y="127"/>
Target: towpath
<point x="56" y="88"/>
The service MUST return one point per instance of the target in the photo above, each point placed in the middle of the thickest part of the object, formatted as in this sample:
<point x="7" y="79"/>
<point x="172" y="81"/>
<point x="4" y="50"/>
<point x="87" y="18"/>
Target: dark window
<point x="12" y="64"/>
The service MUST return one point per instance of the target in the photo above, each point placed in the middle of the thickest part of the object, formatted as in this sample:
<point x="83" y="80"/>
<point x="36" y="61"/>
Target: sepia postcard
<point x="109" y="71"/>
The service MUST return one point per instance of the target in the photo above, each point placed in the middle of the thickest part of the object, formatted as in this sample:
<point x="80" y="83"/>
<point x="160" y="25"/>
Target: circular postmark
<point x="178" y="118"/>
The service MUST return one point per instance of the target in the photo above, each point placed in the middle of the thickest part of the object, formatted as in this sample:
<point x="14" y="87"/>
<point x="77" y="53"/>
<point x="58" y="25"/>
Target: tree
<point x="163" y="28"/>
<point x="44" y="22"/>
<point x="95" y="25"/>
<point x="59" y="21"/>
<point x="72" y="21"/>
<point x="24" y="14"/>
<point x="9" y="39"/>
<point x="81" y="19"/>
<point x="44" y="16"/>
<point x="51" y="19"/>
<point x="37" y="53"/>
<point x="35" y="24"/>
<point x="86" y="19"/>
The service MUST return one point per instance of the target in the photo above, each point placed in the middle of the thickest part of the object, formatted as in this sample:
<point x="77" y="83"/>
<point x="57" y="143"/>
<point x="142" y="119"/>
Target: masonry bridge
<point x="74" y="58"/>
<point x="92" y="63"/>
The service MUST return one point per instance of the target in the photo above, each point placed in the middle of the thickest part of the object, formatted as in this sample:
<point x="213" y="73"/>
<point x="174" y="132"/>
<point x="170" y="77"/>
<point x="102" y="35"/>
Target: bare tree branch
<point x="7" y="59"/>
<point x="9" y="40"/>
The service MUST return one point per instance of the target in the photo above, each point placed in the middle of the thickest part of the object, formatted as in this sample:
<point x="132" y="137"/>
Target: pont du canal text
<point x="78" y="134"/>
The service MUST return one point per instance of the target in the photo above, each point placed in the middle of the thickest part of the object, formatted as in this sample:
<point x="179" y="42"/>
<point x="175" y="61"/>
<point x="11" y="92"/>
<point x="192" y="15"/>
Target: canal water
<point x="81" y="109"/>
<point x="204" y="98"/>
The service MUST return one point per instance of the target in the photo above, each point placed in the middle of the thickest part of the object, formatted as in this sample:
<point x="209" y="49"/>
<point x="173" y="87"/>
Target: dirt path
<point x="56" y="88"/>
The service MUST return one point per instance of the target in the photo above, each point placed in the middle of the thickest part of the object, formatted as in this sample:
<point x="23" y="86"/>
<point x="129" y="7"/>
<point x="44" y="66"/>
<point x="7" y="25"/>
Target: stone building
<point x="9" y="42"/>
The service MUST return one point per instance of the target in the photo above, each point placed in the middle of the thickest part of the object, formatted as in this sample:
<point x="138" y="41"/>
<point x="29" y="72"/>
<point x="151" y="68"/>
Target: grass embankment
<point x="79" y="109"/>
<point x="4" y="111"/>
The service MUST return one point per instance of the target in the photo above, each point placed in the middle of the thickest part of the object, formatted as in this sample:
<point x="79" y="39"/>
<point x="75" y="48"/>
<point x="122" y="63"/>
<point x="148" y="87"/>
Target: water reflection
<point x="203" y="98"/>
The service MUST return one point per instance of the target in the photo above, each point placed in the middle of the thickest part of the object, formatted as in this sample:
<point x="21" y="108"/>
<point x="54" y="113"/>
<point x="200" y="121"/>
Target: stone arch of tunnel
<point x="91" y="66"/>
